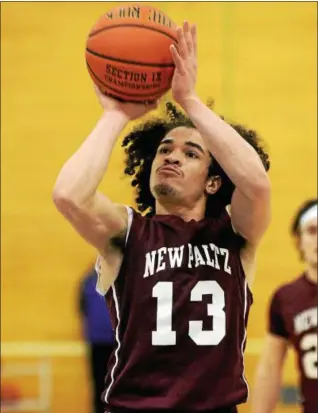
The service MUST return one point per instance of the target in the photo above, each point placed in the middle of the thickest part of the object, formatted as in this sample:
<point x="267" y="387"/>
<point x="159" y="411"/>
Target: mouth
<point x="169" y="169"/>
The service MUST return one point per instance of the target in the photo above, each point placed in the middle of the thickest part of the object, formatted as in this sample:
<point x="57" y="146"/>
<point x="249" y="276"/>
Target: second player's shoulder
<point x="290" y="286"/>
<point x="288" y="293"/>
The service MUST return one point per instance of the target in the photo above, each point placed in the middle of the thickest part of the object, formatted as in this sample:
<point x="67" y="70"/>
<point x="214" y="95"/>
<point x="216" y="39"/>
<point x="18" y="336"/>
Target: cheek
<point x="307" y="242"/>
<point x="152" y="174"/>
<point x="155" y="163"/>
<point x="154" y="167"/>
<point x="313" y="241"/>
<point x="197" y="174"/>
<point x="303" y="242"/>
<point x="194" y="182"/>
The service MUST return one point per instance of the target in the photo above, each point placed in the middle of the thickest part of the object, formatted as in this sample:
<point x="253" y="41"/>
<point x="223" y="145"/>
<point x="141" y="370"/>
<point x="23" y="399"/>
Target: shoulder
<point x="139" y="227"/>
<point x="133" y="214"/>
<point x="120" y="241"/>
<point x="287" y="292"/>
<point x="289" y="287"/>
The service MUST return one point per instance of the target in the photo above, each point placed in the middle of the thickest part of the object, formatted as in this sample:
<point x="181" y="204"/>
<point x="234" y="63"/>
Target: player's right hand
<point x="130" y="109"/>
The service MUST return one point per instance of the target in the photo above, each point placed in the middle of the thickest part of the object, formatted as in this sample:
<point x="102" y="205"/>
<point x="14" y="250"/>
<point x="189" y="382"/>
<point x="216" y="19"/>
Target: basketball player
<point x="293" y="320"/>
<point x="179" y="297"/>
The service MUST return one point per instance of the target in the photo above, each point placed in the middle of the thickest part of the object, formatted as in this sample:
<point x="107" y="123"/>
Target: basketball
<point x="127" y="53"/>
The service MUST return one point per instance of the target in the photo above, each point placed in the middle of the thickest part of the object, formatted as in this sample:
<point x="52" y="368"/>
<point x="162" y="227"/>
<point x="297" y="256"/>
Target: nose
<point x="172" y="159"/>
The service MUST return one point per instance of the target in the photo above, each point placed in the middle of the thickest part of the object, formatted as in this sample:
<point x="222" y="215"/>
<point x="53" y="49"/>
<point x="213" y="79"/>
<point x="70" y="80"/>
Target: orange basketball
<point x="127" y="53"/>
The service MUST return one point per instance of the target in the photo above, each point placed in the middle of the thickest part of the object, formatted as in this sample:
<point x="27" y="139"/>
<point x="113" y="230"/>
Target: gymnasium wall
<point x="259" y="63"/>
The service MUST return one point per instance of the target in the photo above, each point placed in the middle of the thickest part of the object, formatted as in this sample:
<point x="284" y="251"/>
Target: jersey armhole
<point x="129" y="222"/>
<point x="249" y="280"/>
<point x="98" y="263"/>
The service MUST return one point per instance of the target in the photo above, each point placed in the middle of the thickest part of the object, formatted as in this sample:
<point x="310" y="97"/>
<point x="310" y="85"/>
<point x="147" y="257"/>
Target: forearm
<point x="82" y="173"/>
<point x="237" y="158"/>
<point x="266" y="390"/>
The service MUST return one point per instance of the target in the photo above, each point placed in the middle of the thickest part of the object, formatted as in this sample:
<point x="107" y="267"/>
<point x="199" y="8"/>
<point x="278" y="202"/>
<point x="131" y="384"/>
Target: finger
<point x="194" y="39"/>
<point x="182" y="45"/>
<point x="188" y="36"/>
<point x="100" y="94"/>
<point x="97" y="90"/>
<point x="178" y="61"/>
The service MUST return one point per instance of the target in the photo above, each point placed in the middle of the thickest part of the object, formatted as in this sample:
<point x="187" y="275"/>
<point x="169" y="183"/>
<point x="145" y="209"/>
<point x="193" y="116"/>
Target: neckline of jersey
<point x="162" y="217"/>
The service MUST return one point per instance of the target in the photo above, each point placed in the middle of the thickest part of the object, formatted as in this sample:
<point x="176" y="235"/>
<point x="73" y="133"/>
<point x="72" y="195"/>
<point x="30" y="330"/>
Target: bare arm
<point x="95" y="217"/>
<point x="251" y="199"/>
<point x="250" y="207"/>
<point x="269" y="374"/>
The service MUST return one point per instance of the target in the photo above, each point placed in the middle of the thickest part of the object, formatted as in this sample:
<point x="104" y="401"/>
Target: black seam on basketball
<point x="132" y="25"/>
<point x="130" y="62"/>
<point x="125" y="93"/>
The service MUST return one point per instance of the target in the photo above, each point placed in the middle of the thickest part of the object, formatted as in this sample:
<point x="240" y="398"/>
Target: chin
<point x="164" y="189"/>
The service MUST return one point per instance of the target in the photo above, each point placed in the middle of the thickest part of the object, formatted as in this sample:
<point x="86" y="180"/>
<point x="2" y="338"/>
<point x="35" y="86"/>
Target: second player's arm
<point x="269" y="375"/>
<point x="250" y="206"/>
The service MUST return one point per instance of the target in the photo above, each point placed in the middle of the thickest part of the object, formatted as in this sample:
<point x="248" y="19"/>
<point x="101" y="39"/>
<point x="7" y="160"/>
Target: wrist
<point x="111" y="124"/>
<point x="115" y="117"/>
<point x="189" y="101"/>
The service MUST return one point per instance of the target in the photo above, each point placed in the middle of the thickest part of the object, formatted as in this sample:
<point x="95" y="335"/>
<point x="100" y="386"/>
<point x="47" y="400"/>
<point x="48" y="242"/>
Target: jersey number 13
<point x="165" y="336"/>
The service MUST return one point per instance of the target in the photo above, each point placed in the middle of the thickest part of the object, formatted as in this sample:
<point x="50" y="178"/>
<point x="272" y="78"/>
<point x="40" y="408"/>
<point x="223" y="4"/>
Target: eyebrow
<point x="188" y="143"/>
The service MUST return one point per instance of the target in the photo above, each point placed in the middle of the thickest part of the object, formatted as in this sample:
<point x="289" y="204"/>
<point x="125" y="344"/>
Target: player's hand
<point x="185" y="60"/>
<point x="129" y="109"/>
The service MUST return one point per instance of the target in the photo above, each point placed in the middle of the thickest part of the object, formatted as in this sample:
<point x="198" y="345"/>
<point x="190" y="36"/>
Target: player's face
<point x="179" y="171"/>
<point x="308" y="242"/>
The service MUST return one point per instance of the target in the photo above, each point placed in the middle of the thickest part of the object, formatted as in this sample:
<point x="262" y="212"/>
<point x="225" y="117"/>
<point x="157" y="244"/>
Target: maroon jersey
<point x="179" y="306"/>
<point x="293" y="316"/>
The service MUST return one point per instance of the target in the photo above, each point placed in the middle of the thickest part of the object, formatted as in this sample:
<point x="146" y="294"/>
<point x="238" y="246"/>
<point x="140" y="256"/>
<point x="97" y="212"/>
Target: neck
<point x="311" y="273"/>
<point x="196" y="212"/>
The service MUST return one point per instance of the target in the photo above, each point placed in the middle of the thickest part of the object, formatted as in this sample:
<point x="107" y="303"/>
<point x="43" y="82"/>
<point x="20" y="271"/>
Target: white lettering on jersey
<point x="305" y="320"/>
<point x="198" y="255"/>
<point x="176" y="256"/>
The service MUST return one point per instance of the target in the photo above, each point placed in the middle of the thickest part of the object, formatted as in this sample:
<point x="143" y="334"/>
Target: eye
<point x="312" y="230"/>
<point x="163" y="150"/>
<point x="192" y="154"/>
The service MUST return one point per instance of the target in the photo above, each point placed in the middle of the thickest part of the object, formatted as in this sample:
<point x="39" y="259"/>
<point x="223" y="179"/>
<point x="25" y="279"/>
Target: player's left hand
<point x="185" y="60"/>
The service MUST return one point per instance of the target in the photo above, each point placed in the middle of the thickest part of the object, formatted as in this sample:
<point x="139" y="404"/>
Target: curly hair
<point x="141" y="146"/>
<point x="296" y="220"/>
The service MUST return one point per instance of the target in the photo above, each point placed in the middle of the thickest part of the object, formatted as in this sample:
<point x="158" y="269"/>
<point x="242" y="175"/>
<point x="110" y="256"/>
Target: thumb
<point x="98" y="92"/>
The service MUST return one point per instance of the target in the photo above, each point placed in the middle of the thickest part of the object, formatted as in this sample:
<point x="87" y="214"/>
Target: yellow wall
<point x="257" y="60"/>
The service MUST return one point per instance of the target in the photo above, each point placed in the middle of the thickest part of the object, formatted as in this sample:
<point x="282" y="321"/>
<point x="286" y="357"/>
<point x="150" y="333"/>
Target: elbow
<point x="62" y="200"/>
<point x="262" y="187"/>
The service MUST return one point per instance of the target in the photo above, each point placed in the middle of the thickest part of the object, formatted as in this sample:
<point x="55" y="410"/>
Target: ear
<point x="213" y="184"/>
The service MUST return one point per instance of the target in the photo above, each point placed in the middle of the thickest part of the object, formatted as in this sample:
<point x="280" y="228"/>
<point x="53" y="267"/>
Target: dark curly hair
<point x="303" y="208"/>
<point x="141" y="146"/>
